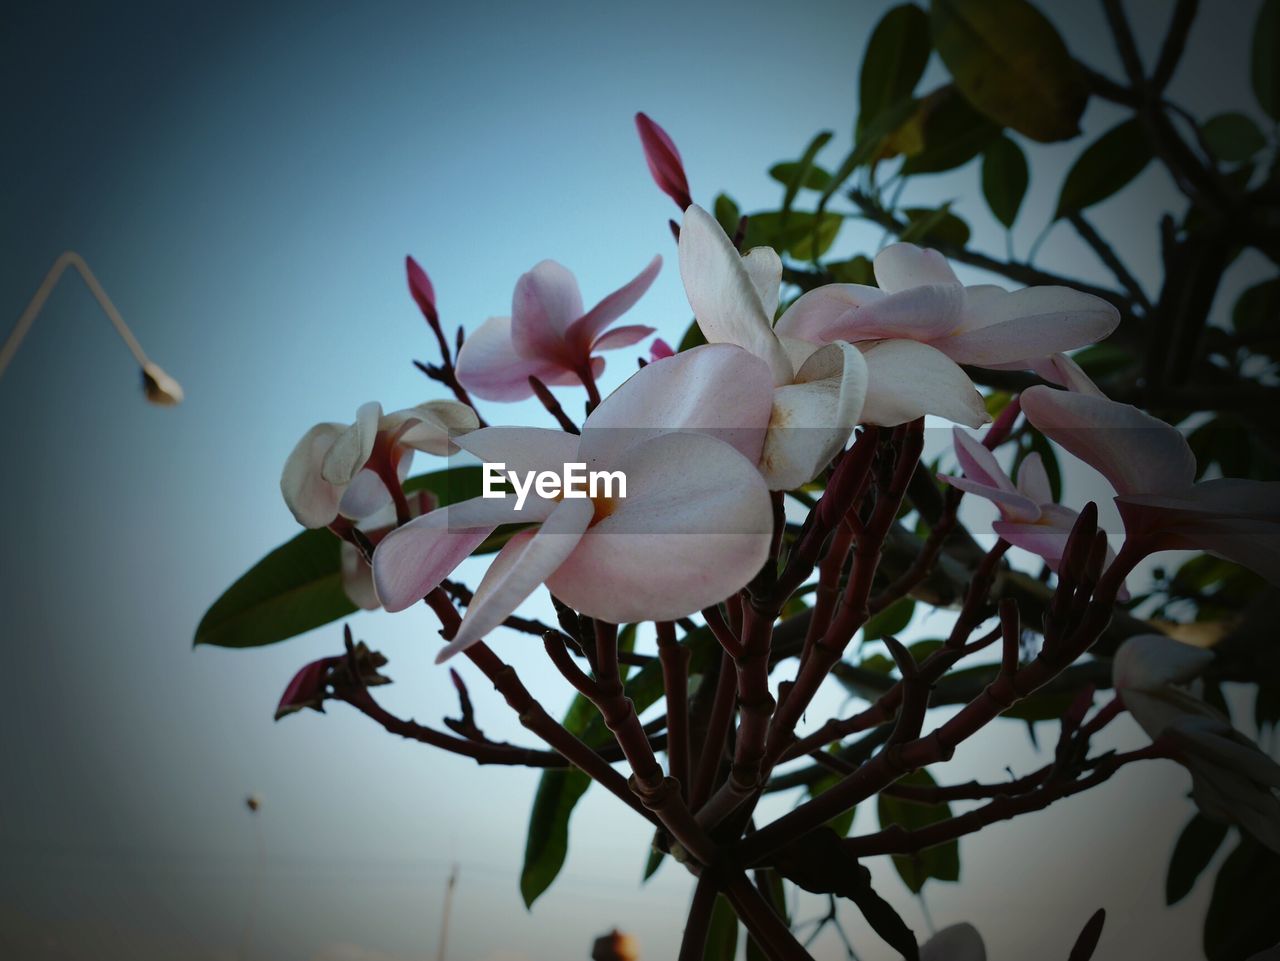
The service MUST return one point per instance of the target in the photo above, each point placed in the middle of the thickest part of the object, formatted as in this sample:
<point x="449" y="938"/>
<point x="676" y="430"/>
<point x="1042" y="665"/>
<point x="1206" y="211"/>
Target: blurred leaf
<point x="1041" y="706"/>
<point x="1010" y="63"/>
<point x="298" y="586"/>
<point x="1265" y="68"/>
<point x="693" y="337"/>
<point x="803" y="173"/>
<point x="1087" y="943"/>
<point x="1197" y="844"/>
<point x="548" y="839"/>
<point x="841" y="823"/>
<point x="1242" y="918"/>
<point x="1102" y="360"/>
<point x="654" y="862"/>
<point x="892" y="620"/>
<point x="941" y="862"/>
<point x="858" y="270"/>
<point x="722" y="934"/>
<point x="878" y="663"/>
<point x="1106" y="166"/>
<point x="938" y="226"/>
<point x="952" y="133"/>
<point x="727" y="215"/>
<point x="1257" y="312"/>
<point x="922" y="649"/>
<point x="778" y="898"/>
<point x="1266" y="707"/>
<point x="1232" y="137"/>
<point x="868" y="143"/>
<point x="1004" y="179"/>
<point x="893" y="63"/>
<point x="793" y="234"/>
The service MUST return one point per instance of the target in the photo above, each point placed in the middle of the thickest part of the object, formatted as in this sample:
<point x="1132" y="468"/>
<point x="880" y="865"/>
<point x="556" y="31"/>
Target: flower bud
<point x="664" y="161"/>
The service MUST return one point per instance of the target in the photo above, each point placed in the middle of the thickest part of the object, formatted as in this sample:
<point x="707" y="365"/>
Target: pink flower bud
<point x="660" y="350"/>
<point x="307" y="689"/>
<point x="664" y="161"/>
<point x="999" y="431"/>
<point x="423" y="293"/>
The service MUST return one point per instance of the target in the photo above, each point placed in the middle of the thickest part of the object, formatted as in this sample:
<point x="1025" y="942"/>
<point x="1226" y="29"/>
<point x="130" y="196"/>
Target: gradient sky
<point x="246" y="182"/>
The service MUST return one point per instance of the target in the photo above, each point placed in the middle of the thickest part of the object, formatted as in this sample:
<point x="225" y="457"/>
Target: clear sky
<point x="246" y="179"/>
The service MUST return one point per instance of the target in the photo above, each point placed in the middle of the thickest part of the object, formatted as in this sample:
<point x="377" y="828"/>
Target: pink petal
<point x="545" y="303"/>
<point x="412" y="560"/>
<point x="978" y="463"/>
<point x="307" y="688"/>
<point x="856" y="313"/>
<point x="693" y="529"/>
<point x="351" y="448"/>
<point x="525" y="562"/>
<point x="814" y="417"/>
<point x="664" y="162"/>
<point x="764" y="267"/>
<point x="523" y="449"/>
<point x="1046" y="539"/>
<point x="357" y="579"/>
<point x="1147" y="662"/>
<point x="908" y="380"/>
<point x="1013" y="506"/>
<point x="489" y="367"/>
<point x="622" y="337"/>
<point x="716" y="389"/>
<point x="585" y="330"/>
<point x="901" y="266"/>
<point x="1060" y="369"/>
<point x="1033" y="480"/>
<point x="431" y="426"/>
<point x="420" y="289"/>
<point x="828" y="313"/>
<point x="660" y="350"/>
<point x="997" y="326"/>
<point x="1136" y="452"/>
<point x="312" y="499"/>
<point x="364" y="497"/>
<point x="723" y="298"/>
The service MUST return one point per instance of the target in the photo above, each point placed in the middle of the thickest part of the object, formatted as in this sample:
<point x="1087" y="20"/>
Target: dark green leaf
<point x="1009" y="61"/>
<point x="1233" y="137"/>
<point x="941" y="862"/>
<point x="548" y="839"/>
<point x="1106" y="166"/>
<point x="894" y="60"/>
<point x="794" y="233"/>
<point x="1242" y="918"/>
<point x="858" y="270"/>
<point x="1087" y="943"/>
<point x="1196" y="846"/>
<point x="693" y="337"/>
<point x="803" y="173"/>
<point x="727" y="214"/>
<point x="938" y="226"/>
<point x="298" y="586"/>
<point x="654" y="862"/>
<point x="722" y="935"/>
<point x="892" y="620"/>
<point x="1102" y="360"/>
<point x="952" y="132"/>
<point x="841" y="823"/>
<point x="1004" y="179"/>
<point x="868" y="143"/>
<point x="1266" y="63"/>
<point x="1041" y="706"/>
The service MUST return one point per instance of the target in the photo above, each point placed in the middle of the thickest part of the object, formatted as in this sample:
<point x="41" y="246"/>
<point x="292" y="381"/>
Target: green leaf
<point x="693" y="337"/>
<point x="298" y="586"/>
<point x="654" y="862"/>
<point x="1106" y="166"/>
<point x="868" y="143"/>
<point x="941" y="862"/>
<point x="727" y="214"/>
<point x="722" y="933"/>
<point x="1265" y="69"/>
<point x="892" y="620"/>
<point x="1232" y="137"/>
<point x="893" y="63"/>
<point x="803" y="173"/>
<point x="953" y="133"/>
<point x="1242" y="918"/>
<point x="1009" y="61"/>
<point x="858" y="270"/>
<point x="1197" y="844"/>
<point x="1004" y="179"/>
<point x="938" y="226"/>
<point x="548" y="840"/>
<point x="793" y="233"/>
<point x="842" y="822"/>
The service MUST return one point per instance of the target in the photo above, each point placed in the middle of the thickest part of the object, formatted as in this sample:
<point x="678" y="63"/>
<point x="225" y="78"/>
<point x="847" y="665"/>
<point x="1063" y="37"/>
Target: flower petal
<point x="715" y="389"/>
<point x="431" y="425"/>
<point x="312" y="499"/>
<point x="908" y="380"/>
<point x="489" y="367"/>
<point x="364" y="497"/>
<point x="997" y="326"/>
<point x="622" y="337"/>
<point x="523" y="449"/>
<point x="901" y="266"/>
<point x="813" y="418"/>
<point x="1047" y="538"/>
<point x="925" y="313"/>
<point x="412" y="560"/>
<point x="582" y="332"/>
<point x="357" y="579"/>
<point x="526" y="561"/>
<point x="828" y="312"/>
<point x="1148" y="662"/>
<point x="1033" y="479"/>
<point x="1136" y="452"/>
<point x="546" y="301"/>
<point x="978" y="463"/>
<point x="664" y="162"/>
<point x="351" y="448"/>
<point x="724" y="300"/>
<point x="764" y="267"/>
<point x="424" y="295"/>
<point x="1013" y="506"/>
<point x="694" y="527"/>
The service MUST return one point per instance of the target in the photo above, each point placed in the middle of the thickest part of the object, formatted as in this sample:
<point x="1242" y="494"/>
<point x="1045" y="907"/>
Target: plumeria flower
<point x="549" y="335"/>
<point x="957" y="942"/>
<point x="694" y="526"/>
<point x="1232" y="779"/>
<point x="355" y="570"/>
<point x="817" y="401"/>
<point x="344" y="469"/>
<point x="921" y="323"/>
<point x="1153" y="471"/>
<point x="664" y="161"/>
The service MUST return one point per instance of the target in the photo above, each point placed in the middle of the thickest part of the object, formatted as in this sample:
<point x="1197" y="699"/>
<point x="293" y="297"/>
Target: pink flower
<point x="424" y="295"/>
<point x="818" y="396"/>
<point x="664" y="162"/>
<point x="343" y="469"/>
<point x="660" y="350"/>
<point x="548" y="335"/>
<point x="1153" y="472"/>
<point x="693" y="527"/>
<point x="921" y="322"/>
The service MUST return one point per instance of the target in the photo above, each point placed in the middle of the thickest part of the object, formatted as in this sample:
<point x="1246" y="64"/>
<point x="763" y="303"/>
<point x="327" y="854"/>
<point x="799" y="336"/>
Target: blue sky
<point x="246" y="183"/>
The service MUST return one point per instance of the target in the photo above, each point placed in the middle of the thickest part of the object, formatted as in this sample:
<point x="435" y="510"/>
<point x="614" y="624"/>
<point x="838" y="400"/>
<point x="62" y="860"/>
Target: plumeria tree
<point x="766" y="524"/>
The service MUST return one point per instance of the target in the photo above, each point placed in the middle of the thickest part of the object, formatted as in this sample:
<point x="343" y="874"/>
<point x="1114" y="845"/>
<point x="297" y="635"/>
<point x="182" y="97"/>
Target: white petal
<point x="312" y="499"/>
<point x="724" y="300"/>
<point x="526" y="561"/>
<point x="523" y="449"/>
<point x="357" y="579"/>
<point x="351" y="449"/>
<point x="489" y="367"/>
<point x="1033" y="479"/>
<point x="908" y="380"/>
<point x="764" y="267"/>
<point x="978" y="463"/>
<point x="901" y="266"/>
<point x="813" y="418"/>
<point x="546" y="301"/>
<point x="998" y="326"/>
<point x="694" y="528"/>
<point x="1148" y="662"/>
<point x="1013" y="506"/>
<point x="828" y="312"/>
<point x="432" y="425"/>
<point x="364" y="497"/>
